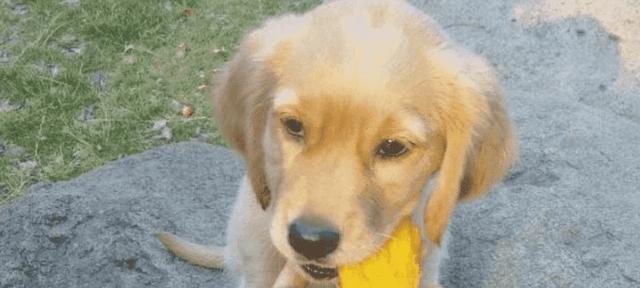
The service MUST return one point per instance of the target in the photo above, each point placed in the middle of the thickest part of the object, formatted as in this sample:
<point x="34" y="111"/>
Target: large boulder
<point x="95" y="231"/>
<point x="569" y="214"/>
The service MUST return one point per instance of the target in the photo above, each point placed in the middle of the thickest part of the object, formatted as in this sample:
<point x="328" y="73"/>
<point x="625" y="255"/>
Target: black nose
<point x="312" y="240"/>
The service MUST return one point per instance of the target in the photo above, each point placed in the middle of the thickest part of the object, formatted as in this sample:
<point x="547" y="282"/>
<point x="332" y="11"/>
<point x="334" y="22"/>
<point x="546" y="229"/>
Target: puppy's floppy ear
<point x="241" y="97"/>
<point x="480" y="141"/>
<point x="240" y="107"/>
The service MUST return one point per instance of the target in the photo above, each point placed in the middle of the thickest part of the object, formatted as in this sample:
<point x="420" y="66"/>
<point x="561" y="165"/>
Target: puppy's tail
<point x="210" y="257"/>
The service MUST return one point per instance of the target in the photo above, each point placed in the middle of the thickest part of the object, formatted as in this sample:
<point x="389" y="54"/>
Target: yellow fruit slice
<point x="396" y="264"/>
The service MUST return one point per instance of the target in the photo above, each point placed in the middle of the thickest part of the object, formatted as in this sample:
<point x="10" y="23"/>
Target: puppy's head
<point x="345" y="113"/>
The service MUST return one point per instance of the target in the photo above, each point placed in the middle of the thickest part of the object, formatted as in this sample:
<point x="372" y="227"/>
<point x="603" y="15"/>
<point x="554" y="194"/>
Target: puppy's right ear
<point x="241" y="97"/>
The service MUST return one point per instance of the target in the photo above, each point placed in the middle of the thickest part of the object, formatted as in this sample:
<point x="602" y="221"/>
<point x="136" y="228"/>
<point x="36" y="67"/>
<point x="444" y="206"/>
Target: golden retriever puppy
<point x="344" y="115"/>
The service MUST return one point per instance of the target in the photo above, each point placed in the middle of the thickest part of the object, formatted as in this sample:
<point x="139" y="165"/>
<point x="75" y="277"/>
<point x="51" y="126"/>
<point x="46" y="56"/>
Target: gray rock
<point x="87" y="113"/>
<point x="100" y="81"/>
<point x="14" y="150"/>
<point x="20" y="9"/>
<point x="72" y="2"/>
<point x="53" y="69"/>
<point x="5" y="57"/>
<point x="75" y="50"/>
<point x="568" y="214"/>
<point x="166" y="133"/>
<point x="95" y="231"/>
<point x="5" y="106"/>
<point x="27" y="165"/>
<point x="159" y="125"/>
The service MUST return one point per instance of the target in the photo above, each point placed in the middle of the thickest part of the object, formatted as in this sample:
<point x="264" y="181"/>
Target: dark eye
<point x="391" y="148"/>
<point x="294" y="127"/>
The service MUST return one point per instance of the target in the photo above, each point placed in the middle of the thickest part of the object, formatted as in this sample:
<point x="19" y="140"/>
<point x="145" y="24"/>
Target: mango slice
<point x="396" y="264"/>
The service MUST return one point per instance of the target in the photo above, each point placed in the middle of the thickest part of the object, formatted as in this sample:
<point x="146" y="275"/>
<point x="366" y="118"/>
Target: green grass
<point x="131" y="44"/>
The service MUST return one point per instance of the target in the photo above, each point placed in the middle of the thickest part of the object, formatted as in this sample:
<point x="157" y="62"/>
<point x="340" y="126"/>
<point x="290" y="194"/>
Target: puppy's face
<point x="343" y="115"/>
<point x="348" y="158"/>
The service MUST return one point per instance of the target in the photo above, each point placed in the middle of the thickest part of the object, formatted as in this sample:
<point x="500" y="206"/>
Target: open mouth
<point x="320" y="273"/>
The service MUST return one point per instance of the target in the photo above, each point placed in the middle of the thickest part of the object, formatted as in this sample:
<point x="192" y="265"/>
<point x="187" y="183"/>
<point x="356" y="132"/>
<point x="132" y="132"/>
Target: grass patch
<point x="83" y="82"/>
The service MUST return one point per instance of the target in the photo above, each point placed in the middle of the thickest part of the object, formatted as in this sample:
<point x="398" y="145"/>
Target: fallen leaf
<point x="159" y="125"/>
<point x="27" y="165"/>
<point x="187" y="11"/>
<point x="129" y="47"/>
<point x="182" y="50"/>
<point x="202" y="87"/>
<point x="216" y="50"/>
<point x="130" y="59"/>
<point x="187" y="110"/>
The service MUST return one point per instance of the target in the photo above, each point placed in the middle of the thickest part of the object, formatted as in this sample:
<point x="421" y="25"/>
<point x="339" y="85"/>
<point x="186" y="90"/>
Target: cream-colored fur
<point x="354" y="73"/>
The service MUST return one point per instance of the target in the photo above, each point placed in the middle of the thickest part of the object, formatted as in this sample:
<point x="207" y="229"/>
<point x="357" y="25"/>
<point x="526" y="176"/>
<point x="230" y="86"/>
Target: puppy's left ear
<point x="480" y="140"/>
<point x="241" y="99"/>
<point x="240" y="103"/>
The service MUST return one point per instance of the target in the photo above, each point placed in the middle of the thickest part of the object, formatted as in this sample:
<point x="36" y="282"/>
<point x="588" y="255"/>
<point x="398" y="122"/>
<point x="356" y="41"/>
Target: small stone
<point x="72" y="2"/>
<point x="5" y="106"/>
<point x="20" y="9"/>
<point x="75" y="50"/>
<point x="87" y="114"/>
<point x="2" y="149"/>
<point x="166" y="133"/>
<point x="580" y="32"/>
<point x="100" y="81"/>
<point x="54" y="69"/>
<point x="27" y="165"/>
<point x="159" y="125"/>
<point x="202" y="87"/>
<point x="182" y="50"/>
<point x="14" y="151"/>
<point x="4" y="57"/>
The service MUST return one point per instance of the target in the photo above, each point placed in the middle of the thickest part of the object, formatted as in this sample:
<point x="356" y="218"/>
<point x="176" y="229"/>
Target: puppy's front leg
<point x="290" y="278"/>
<point x="432" y="255"/>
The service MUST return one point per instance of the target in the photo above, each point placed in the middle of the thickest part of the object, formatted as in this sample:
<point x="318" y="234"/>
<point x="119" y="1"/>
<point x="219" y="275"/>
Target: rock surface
<point x="567" y="216"/>
<point x="95" y="231"/>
